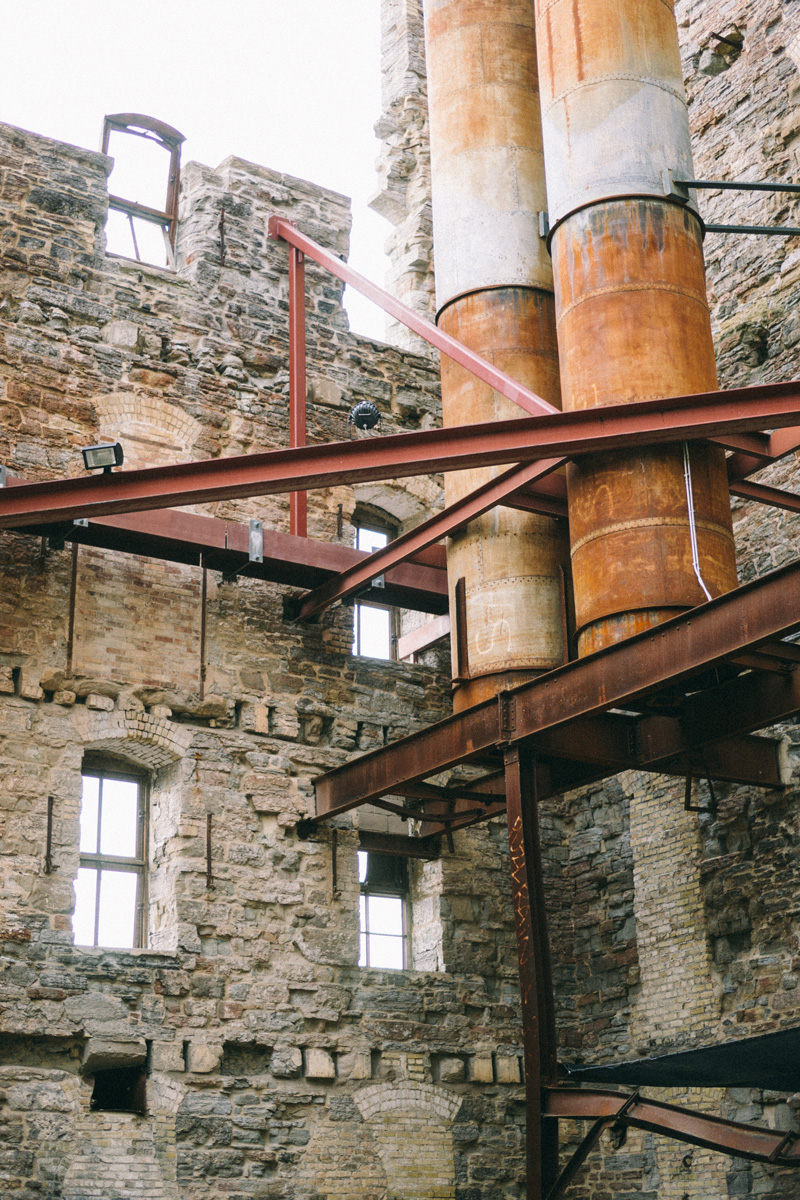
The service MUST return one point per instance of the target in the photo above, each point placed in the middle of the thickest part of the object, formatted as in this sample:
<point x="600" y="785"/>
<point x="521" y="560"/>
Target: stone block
<point x="320" y="1065"/>
<point x="203" y="1059"/>
<point x="508" y="1069"/>
<point x="124" y="335"/>
<point x="102" y="703"/>
<point x="452" y="1070"/>
<point x="64" y="697"/>
<point x="103" y="1054"/>
<point x="255" y="718"/>
<point x="167" y="1056"/>
<point x="355" y="1065"/>
<point x="6" y="681"/>
<point x="286" y="1062"/>
<point x="161" y="711"/>
<point x="482" y="1069"/>
<point x="30" y="690"/>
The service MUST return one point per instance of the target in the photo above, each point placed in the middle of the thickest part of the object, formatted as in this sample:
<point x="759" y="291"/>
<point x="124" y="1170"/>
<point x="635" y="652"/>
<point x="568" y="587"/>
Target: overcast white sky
<point x="291" y="84"/>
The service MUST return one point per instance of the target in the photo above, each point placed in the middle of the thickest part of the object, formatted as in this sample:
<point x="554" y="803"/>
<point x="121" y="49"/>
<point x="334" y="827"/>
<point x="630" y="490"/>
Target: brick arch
<point x="150" y="742"/>
<point x="153" y="433"/>
<point x="412" y="1128"/>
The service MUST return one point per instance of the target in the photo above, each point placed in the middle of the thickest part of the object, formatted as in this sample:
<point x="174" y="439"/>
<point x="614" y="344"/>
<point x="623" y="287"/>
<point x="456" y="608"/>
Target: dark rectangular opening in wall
<point x="121" y="1089"/>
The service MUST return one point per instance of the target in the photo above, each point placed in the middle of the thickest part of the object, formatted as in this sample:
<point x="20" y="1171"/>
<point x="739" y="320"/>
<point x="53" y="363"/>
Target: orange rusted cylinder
<point x="494" y="292"/>
<point x="632" y="312"/>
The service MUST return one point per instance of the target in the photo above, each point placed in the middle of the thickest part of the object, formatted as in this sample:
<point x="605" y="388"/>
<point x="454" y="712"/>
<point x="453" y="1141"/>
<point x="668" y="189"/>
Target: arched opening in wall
<point x="111" y="887"/>
<point x="375" y="626"/>
<point x="143" y="187"/>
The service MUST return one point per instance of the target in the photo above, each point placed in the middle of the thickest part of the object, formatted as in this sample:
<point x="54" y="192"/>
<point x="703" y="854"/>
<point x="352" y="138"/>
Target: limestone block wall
<point x="275" y="1066"/>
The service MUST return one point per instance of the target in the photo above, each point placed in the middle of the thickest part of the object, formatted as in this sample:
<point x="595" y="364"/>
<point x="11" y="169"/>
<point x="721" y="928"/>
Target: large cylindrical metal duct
<point x="650" y="530"/>
<point x="495" y="293"/>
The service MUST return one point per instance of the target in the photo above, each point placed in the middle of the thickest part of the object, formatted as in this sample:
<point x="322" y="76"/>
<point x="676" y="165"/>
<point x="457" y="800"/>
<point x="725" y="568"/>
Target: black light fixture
<point x="364" y="415"/>
<point x="103" y="457"/>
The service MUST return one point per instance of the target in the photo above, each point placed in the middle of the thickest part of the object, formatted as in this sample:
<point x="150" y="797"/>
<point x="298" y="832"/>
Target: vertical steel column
<point x="538" y="1004"/>
<point x="298" y="517"/>
<point x="495" y="293"/>
<point x="633" y="320"/>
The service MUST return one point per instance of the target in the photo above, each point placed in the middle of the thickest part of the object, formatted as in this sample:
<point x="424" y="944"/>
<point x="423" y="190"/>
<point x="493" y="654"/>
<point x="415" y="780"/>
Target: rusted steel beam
<point x="298" y="503"/>
<point x="294" y="561"/>
<point x="765" y="495"/>
<point x="533" y="949"/>
<point x="280" y="229"/>
<point x="439" y="526"/>
<point x="522" y="441"/>
<point x="712" y="1133"/>
<point x="625" y="673"/>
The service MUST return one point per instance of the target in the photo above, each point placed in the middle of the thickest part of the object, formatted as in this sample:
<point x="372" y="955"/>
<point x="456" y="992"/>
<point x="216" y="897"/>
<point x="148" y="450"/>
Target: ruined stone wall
<point x="276" y="1067"/>
<point x="674" y="929"/>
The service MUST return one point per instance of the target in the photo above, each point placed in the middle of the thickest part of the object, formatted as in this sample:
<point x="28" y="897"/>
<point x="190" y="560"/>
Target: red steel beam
<point x="423" y="535"/>
<point x="280" y="229"/>
<point x="495" y="443"/>
<point x="765" y="495"/>
<point x="712" y="1133"/>
<point x="298" y="503"/>
<point x="617" y="676"/>
<point x="419" y="584"/>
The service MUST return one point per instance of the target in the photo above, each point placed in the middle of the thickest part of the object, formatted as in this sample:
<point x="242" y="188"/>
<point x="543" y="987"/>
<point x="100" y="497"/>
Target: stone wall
<point x="275" y="1066"/>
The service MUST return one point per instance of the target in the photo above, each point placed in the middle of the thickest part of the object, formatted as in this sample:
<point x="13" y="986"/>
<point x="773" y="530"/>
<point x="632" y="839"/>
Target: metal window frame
<point x="375" y="525"/>
<point x="136" y="865"/>
<point x="385" y="893"/>
<point x="152" y="130"/>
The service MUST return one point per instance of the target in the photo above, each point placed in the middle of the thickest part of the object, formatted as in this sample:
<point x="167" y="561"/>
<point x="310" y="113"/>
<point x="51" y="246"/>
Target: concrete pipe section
<point x="651" y="531"/>
<point x="495" y="293"/>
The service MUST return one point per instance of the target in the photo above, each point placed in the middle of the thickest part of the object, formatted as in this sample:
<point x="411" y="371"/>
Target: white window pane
<point x="363" y="912"/>
<point x="362" y="865"/>
<point x="89" y="803"/>
<point x="150" y="240"/>
<point x="386" y="915"/>
<point x="83" y="920"/>
<point x="141" y="170"/>
<point x="370" y="539"/>
<point x="375" y="629"/>
<point x="120" y="817"/>
<point x="386" y="952"/>
<point x="362" y="956"/>
<point x="117" y="908"/>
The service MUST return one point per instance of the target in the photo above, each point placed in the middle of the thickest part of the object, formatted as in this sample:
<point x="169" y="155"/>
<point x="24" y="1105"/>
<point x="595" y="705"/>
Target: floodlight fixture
<point x="103" y="457"/>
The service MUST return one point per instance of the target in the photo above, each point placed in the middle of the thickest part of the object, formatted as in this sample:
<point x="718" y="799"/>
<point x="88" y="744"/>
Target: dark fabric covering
<point x="771" y="1061"/>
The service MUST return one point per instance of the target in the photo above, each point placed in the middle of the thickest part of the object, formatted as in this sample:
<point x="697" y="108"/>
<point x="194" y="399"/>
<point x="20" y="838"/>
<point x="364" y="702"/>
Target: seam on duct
<point x="632" y="287"/>
<point x="544" y="9"/>
<point x="649" y="522"/>
<point x="583" y="84"/>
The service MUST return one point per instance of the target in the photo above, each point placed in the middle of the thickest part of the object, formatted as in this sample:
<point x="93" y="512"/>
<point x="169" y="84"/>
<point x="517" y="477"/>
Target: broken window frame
<point x="153" y="130"/>
<point x="369" y="889"/>
<point x="129" y="865"/>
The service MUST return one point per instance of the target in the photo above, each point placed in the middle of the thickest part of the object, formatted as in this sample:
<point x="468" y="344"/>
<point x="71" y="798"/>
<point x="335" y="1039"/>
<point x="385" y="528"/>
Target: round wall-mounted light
<point x="364" y="415"/>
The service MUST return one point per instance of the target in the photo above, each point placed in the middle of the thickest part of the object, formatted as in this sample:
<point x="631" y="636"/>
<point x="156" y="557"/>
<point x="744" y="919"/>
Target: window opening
<point x="384" y="911"/>
<point x="374" y="625"/>
<point x="143" y="186"/>
<point x="110" y="888"/>
<point x="120" y="1089"/>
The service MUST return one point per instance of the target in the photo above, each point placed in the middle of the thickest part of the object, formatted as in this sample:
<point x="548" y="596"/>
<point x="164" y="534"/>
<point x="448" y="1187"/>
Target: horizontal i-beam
<point x="464" y="447"/>
<point x="617" y="676"/>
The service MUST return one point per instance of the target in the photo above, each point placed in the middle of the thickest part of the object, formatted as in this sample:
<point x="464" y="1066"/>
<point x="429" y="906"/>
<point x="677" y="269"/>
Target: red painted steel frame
<point x="280" y="229"/>
<point x="495" y="443"/>
<point x="298" y="504"/>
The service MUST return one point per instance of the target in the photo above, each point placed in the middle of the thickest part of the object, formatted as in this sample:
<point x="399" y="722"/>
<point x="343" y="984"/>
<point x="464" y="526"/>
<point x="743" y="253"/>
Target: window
<point x="374" y="625"/>
<point x="143" y="199"/>
<point x="384" y="911"/>
<point x="110" y="889"/>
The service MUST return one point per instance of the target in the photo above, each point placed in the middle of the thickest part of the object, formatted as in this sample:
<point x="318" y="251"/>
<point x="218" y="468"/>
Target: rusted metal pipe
<point x="494" y="294"/>
<point x="632" y="312"/>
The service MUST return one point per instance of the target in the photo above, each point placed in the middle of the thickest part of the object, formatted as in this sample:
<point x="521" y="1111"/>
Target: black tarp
<point x="771" y="1062"/>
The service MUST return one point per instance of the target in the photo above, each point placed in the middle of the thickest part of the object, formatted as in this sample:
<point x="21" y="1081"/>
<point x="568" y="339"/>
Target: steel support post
<point x="298" y="505"/>
<point x="535" y="975"/>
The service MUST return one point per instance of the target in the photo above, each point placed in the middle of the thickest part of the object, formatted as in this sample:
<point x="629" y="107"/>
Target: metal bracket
<point x="82" y="522"/>
<point x="3" y="477"/>
<point x="378" y="582"/>
<point x="544" y="225"/>
<point x="257" y="541"/>
<point x="675" y="189"/>
<point x="507" y="712"/>
<point x="699" y="808"/>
